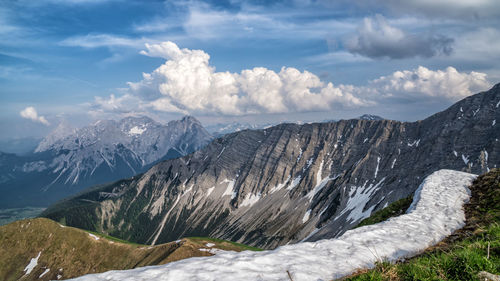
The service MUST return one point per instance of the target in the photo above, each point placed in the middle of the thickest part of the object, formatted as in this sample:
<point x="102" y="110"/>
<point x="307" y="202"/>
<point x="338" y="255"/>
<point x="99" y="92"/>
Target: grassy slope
<point x="72" y="252"/>
<point x="462" y="255"/>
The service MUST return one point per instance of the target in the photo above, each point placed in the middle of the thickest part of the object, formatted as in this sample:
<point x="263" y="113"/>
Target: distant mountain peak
<point x="62" y="130"/>
<point x="370" y="117"/>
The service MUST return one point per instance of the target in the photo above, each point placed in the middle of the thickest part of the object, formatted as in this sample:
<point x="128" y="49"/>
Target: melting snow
<point x="494" y="122"/>
<point x="93" y="236"/>
<point x="320" y="183"/>
<point x="393" y="162"/>
<point x="45" y="272"/>
<point x="33" y="263"/>
<point x="465" y="159"/>
<point x="306" y="216"/>
<point x="455" y="153"/>
<point x="279" y="186"/>
<point x="376" y="169"/>
<point x="136" y="131"/>
<point x="250" y="199"/>
<point x="210" y="245"/>
<point x="229" y="189"/>
<point x="498" y="104"/>
<point x="436" y="212"/>
<point x="294" y="183"/>
<point x="414" y="143"/>
<point x="209" y="191"/>
<point x="359" y="197"/>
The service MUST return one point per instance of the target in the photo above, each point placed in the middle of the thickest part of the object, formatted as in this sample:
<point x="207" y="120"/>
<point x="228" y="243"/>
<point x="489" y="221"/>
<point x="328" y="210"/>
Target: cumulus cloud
<point x="186" y="83"/>
<point x="31" y="114"/>
<point x="423" y="83"/>
<point x="376" y="38"/>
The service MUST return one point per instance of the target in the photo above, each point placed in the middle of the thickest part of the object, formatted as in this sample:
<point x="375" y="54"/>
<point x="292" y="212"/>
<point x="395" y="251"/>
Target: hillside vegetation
<point x="473" y="249"/>
<point x="66" y="252"/>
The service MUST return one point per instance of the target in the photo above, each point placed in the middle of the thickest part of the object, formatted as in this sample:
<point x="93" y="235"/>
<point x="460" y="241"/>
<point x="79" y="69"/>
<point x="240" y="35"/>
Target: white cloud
<point x="423" y="83"/>
<point x="31" y="114"/>
<point x="186" y="83"/>
<point x="458" y="9"/>
<point x="375" y="38"/>
<point x="102" y="40"/>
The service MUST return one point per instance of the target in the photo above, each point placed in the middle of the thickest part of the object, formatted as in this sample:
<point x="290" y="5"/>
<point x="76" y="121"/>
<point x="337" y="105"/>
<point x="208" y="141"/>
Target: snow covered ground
<point x="434" y="214"/>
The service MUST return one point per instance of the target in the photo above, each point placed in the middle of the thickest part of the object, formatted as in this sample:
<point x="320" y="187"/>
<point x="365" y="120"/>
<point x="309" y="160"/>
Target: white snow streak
<point x="320" y="183"/>
<point x="209" y="191"/>
<point x="494" y="122"/>
<point x="93" y="236"/>
<point x="376" y="169"/>
<point x="33" y="263"/>
<point x="393" y="162"/>
<point x="306" y="216"/>
<point x="465" y="159"/>
<point x="436" y="212"/>
<point x="45" y="272"/>
<point x="294" y="183"/>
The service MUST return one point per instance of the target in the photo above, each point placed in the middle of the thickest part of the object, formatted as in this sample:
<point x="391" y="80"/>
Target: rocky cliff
<point x="291" y="182"/>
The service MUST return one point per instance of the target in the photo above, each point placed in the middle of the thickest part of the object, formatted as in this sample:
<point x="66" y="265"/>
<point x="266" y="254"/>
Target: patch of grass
<point x="474" y="248"/>
<point x="221" y="241"/>
<point x="114" y="239"/>
<point x="394" y="209"/>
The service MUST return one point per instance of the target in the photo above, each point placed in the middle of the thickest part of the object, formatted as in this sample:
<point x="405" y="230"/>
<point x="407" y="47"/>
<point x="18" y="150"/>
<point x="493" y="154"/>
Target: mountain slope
<point x="41" y="249"/>
<point x="291" y="182"/>
<point x="69" y="160"/>
<point x="435" y="213"/>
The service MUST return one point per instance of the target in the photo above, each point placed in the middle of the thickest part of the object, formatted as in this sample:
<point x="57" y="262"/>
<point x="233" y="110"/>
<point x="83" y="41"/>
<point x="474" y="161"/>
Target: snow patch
<point x="436" y="212"/>
<point x="465" y="159"/>
<point x="209" y="191"/>
<point x="45" y="272"/>
<point x="229" y="189"/>
<point x="33" y="263"/>
<point x="393" y="162"/>
<point x="210" y="245"/>
<point x="376" y="169"/>
<point x="358" y="198"/>
<point x="93" y="236"/>
<point x="250" y="199"/>
<point x="136" y="130"/>
<point x="279" y="186"/>
<point x="294" y="183"/>
<point x="320" y="183"/>
<point x="494" y="122"/>
<point x="455" y="153"/>
<point x="306" y="216"/>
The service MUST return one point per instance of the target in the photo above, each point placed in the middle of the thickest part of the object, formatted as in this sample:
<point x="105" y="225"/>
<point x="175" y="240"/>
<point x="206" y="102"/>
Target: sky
<point x="247" y="61"/>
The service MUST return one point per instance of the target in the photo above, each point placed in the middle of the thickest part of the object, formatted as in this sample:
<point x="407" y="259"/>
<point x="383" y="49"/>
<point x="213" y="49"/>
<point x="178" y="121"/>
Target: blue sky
<point x="252" y="61"/>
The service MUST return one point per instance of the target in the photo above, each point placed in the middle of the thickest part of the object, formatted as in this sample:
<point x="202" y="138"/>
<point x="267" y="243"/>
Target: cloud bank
<point x="375" y="38"/>
<point x="187" y="83"/>
<point x="31" y="114"/>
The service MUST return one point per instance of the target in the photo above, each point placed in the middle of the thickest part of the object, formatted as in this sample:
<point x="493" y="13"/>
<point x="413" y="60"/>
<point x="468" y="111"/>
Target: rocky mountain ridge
<point x="291" y="182"/>
<point x="69" y="160"/>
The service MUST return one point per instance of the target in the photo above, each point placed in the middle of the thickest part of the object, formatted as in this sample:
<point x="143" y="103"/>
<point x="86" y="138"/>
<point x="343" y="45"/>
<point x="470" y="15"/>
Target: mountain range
<point x="290" y="183"/>
<point x="69" y="160"/>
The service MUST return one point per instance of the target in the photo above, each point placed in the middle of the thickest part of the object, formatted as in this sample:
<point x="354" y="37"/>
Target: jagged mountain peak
<point x="370" y="117"/>
<point x="295" y="182"/>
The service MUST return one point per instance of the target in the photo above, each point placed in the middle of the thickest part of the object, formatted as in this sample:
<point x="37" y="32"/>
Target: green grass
<point x="114" y="239"/>
<point x="462" y="255"/>
<point x="461" y="262"/>
<point x="215" y="240"/>
<point x="394" y="209"/>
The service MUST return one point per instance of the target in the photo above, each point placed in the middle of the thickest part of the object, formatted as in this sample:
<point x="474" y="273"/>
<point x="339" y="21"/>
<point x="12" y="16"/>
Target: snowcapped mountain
<point x="370" y="117"/>
<point x="68" y="159"/>
<point x="290" y="182"/>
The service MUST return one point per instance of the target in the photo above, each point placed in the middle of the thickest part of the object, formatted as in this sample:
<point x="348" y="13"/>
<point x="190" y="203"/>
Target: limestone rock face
<point x="69" y="160"/>
<point x="290" y="182"/>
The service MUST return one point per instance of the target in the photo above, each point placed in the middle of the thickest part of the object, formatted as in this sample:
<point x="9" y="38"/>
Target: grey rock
<point x="290" y="182"/>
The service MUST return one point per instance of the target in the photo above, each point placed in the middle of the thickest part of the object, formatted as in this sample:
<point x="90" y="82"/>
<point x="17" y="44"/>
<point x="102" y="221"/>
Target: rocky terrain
<point x="69" y="160"/>
<point x="291" y="182"/>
